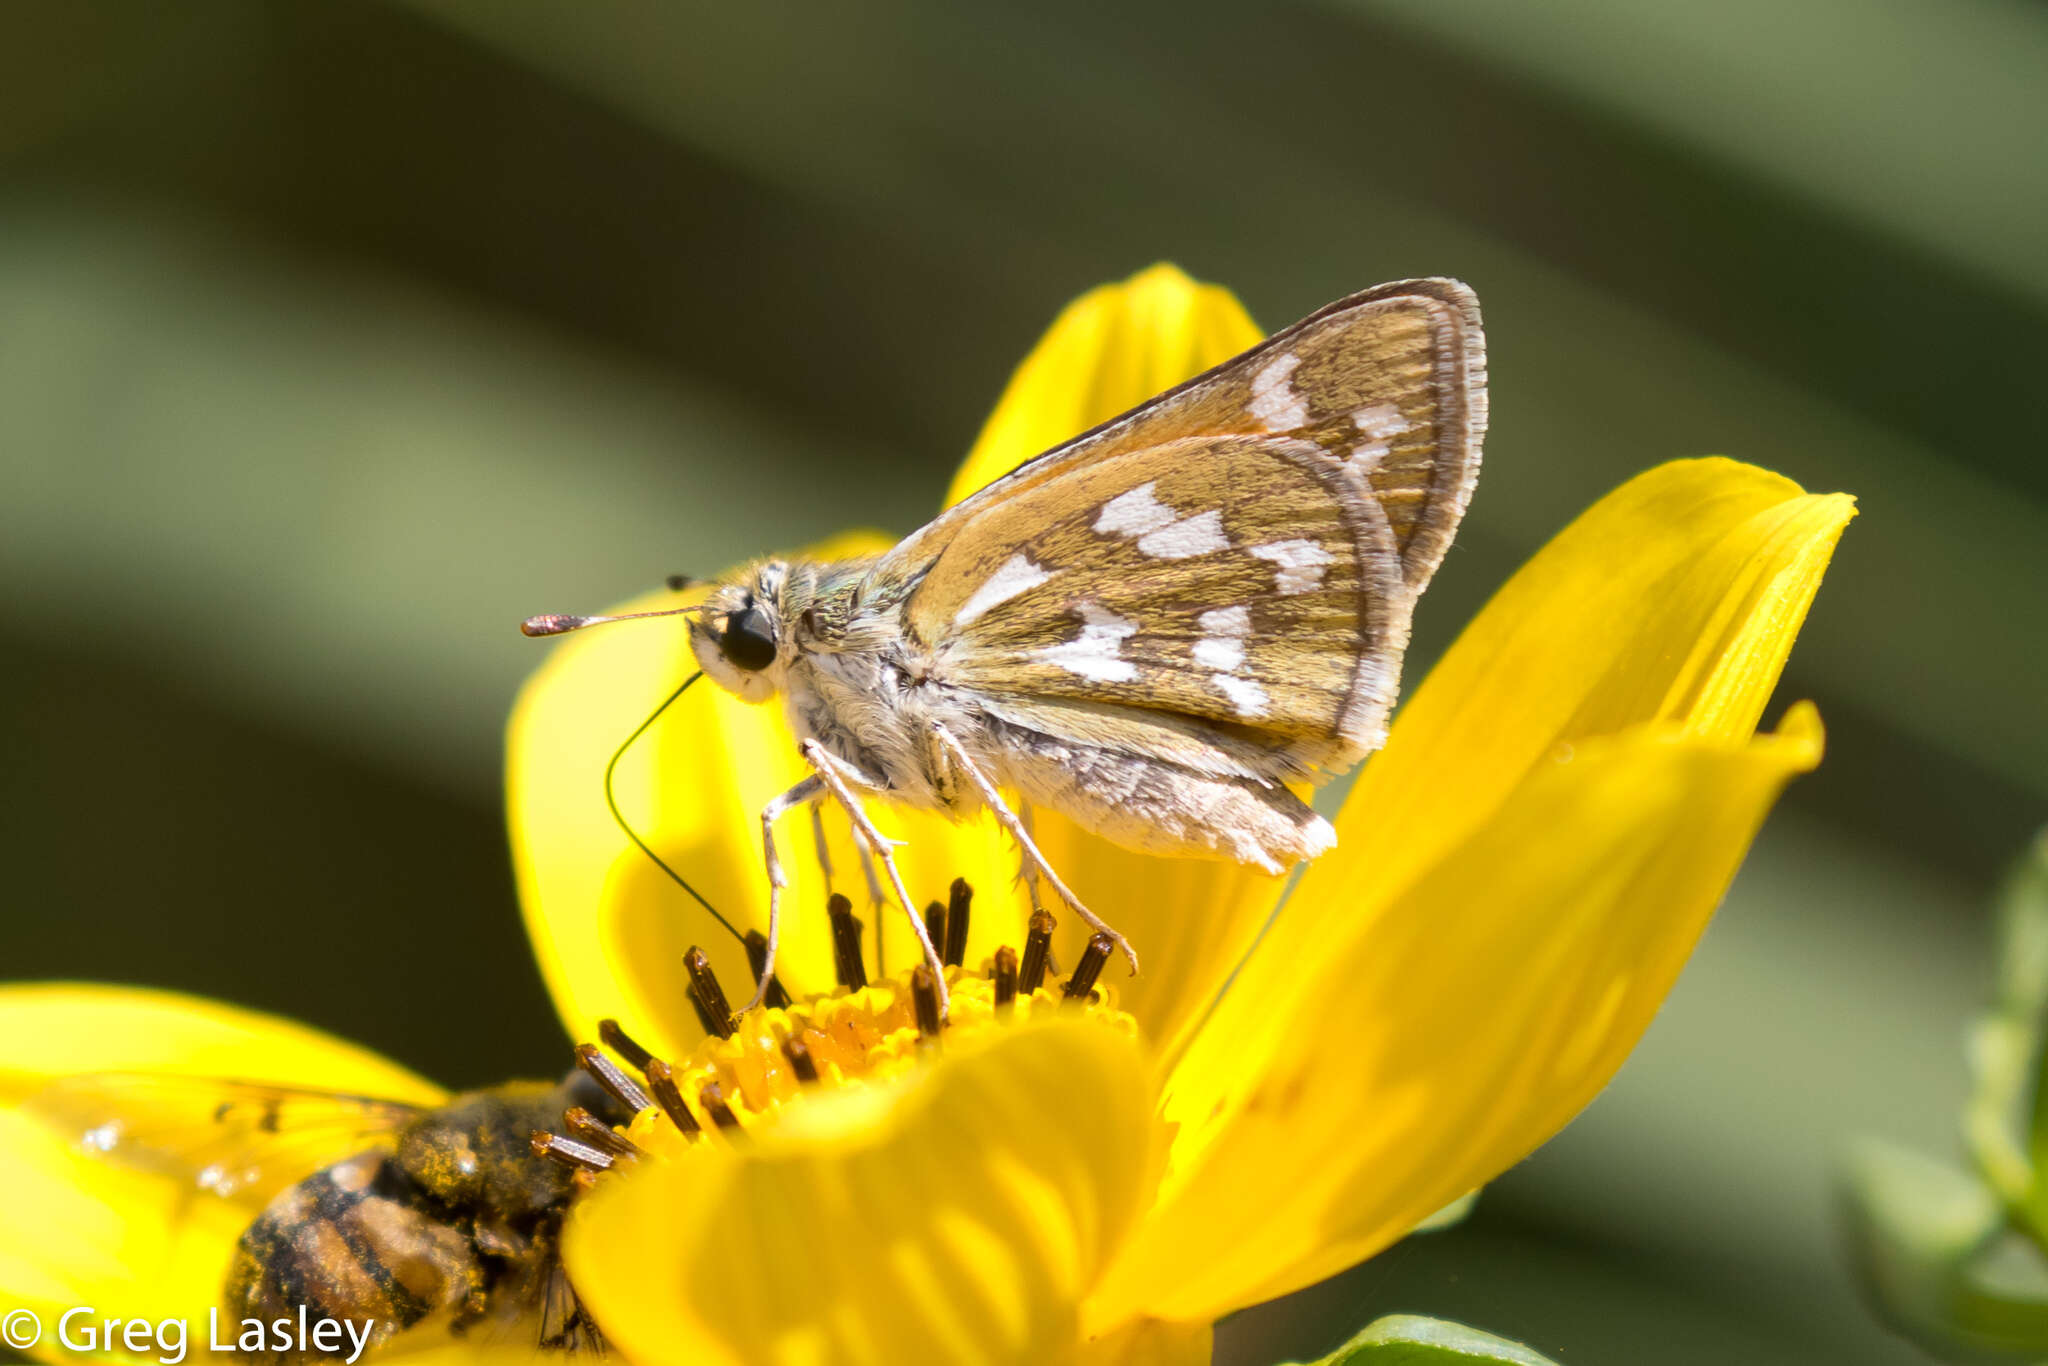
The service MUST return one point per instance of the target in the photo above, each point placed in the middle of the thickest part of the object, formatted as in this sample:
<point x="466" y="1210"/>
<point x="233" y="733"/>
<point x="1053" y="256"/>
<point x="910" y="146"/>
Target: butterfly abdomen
<point x="1160" y="808"/>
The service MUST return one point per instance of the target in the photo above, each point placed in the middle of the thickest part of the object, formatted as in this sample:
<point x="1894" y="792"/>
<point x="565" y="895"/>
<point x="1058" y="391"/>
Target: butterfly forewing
<point x="1241" y="553"/>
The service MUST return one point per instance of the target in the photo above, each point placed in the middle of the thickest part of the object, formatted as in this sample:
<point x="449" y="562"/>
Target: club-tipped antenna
<point x="560" y="623"/>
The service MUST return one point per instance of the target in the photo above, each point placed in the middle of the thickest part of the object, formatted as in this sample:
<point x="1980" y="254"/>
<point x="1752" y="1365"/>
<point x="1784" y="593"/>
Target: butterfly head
<point x="738" y="634"/>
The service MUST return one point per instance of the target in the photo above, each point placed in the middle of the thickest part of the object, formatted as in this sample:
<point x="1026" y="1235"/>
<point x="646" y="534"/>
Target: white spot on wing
<point x="1017" y="575"/>
<point x="1379" y="425"/>
<point x="1191" y="536"/>
<point x="1226" y="621"/>
<point x="1274" y="400"/>
<point x="1221" y="650"/>
<point x="1381" y="421"/>
<point x="1219" y="653"/>
<point x="1134" y="513"/>
<point x="1096" y="653"/>
<point x="1245" y="694"/>
<point x="1298" y="565"/>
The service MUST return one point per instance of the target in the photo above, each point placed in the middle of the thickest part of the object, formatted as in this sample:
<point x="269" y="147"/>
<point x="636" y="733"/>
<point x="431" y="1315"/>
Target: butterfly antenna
<point x="611" y="798"/>
<point x="561" y="623"/>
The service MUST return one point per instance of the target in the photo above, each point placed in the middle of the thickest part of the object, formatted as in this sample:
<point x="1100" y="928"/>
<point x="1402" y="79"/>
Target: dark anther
<point x="669" y="1097"/>
<point x="712" y="1098"/>
<point x="935" y="926"/>
<point x="1006" y="977"/>
<point x="957" y="911"/>
<point x="623" y="1044"/>
<point x="1037" y="945"/>
<point x="612" y="1078"/>
<point x="709" y="996"/>
<point x="853" y="974"/>
<point x="924" y="991"/>
<point x="1090" y="967"/>
<point x="587" y="1128"/>
<point x="757" y="954"/>
<point x="678" y="582"/>
<point x="571" y="1154"/>
<point x="800" y="1060"/>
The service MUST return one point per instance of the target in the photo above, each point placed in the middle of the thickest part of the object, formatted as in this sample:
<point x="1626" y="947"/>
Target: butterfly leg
<point x="828" y="770"/>
<point x="818" y="839"/>
<point x="1009" y="821"/>
<point x="810" y="789"/>
<point x="876" y="896"/>
<point x="1027" y="873"/>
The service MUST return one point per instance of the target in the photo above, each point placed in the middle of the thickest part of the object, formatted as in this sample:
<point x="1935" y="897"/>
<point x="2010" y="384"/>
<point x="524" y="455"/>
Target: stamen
<point x="957" y="913"/>
<point x="669" y="1097"/>
<point x="571" y="1154"/>
<point x="800" y="1060"/>
<point x="731" y="1087"/>
<point x="935" y="927"/>
<point x="846" y="927"/>
<point x="757" y="954"/>
<point x="1037" y="945"/>
<point x="924" y="991"/>
<point x="612" y="1078"/>
<point x="709" y="996"/>
<point x="1090" y="967"/>
<point x="704" y="1017"/>
<point x="1005" y="974"/>
<point x="591" y="1130"/>
<point x="623" y="1044"/>
<point x="712" y="1098"/>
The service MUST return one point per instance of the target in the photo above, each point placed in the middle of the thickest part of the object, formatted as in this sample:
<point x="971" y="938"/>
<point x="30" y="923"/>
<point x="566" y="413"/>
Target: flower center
<point x="748" y="1070"/>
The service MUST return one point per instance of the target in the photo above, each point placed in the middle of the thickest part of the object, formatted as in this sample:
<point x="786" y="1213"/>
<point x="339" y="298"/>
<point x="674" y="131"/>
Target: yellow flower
<point x="1520" y="875"/>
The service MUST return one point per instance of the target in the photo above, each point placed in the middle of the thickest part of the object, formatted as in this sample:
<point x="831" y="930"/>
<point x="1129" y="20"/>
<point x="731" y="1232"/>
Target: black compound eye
<point x="747" y="641"/>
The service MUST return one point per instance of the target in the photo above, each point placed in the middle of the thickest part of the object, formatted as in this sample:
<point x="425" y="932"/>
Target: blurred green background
<point x="334" y="339"/>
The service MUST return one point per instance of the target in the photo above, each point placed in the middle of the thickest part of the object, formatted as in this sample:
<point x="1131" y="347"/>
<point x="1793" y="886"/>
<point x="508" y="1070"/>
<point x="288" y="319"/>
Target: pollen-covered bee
<point x="412" y="1219"/>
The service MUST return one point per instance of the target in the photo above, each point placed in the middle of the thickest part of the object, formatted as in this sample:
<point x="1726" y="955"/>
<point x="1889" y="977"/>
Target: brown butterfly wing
<point x="1391" y="380"/>
<point x="1225" y="576"/>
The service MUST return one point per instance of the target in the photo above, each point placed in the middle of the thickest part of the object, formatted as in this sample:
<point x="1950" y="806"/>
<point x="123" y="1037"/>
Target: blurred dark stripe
<point x="192" y="847"/>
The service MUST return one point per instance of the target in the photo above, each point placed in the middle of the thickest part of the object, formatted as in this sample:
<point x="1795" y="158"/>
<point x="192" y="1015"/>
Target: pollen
<point x="861" y="1035"/>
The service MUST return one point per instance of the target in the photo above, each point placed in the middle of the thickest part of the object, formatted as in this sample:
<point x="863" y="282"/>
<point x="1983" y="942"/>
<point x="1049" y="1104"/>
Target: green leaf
<point x="1934" y="1252"/>
<point x="2006" y="1120"/>
<point x="1450" y="1216"/>
<point x="1412" y="1340"/>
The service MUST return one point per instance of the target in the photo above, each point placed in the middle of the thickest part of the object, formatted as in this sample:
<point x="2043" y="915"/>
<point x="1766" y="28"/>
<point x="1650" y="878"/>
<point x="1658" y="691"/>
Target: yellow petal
<point x="1191" y="922"/>
<point x="1149" y="1342"/>
<point x="609" y="928"/>
<point x="50" y="1029"/>
<point x="135" y="1243"/>
<point x="954" y="1217"/>
<point x="1438" y="1037"/>
<point x="1107" y="352"/>
<point x="1676" y="599"/>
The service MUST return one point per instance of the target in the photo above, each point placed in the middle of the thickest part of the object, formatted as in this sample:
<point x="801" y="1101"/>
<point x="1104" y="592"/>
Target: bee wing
<point x="1224" y="576"/>
<point x="237" y="1140"/>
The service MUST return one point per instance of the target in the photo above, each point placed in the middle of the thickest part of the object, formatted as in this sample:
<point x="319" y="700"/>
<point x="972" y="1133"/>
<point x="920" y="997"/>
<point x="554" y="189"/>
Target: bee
<point x="415" y="1219"/>
<point x="1154" y="628"/>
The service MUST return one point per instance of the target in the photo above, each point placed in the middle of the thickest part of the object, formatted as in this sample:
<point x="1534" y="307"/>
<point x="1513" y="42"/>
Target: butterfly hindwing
<point x="1229" y="571"/>
<point x="1243" y="581"/>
